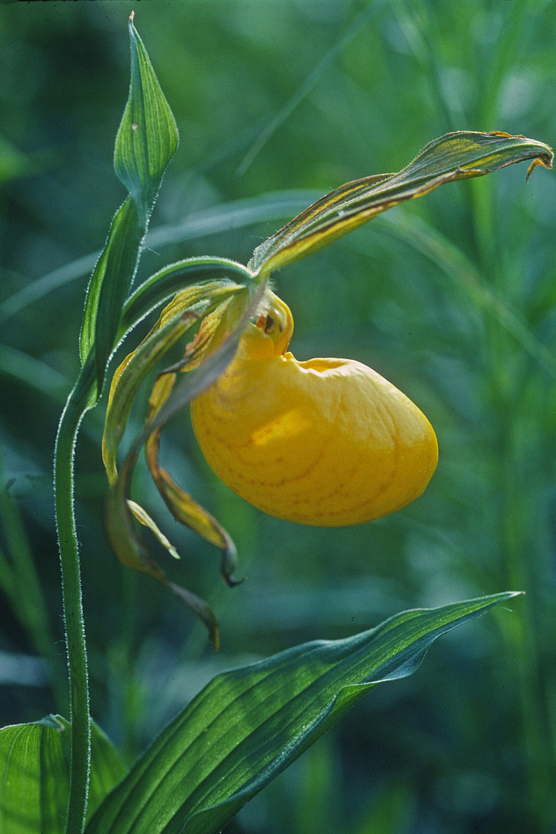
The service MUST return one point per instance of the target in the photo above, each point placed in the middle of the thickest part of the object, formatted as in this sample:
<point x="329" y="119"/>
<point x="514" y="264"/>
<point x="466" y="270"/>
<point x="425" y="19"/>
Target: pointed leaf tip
<point x="248" y="724"/>
<point x="148" y="135"/>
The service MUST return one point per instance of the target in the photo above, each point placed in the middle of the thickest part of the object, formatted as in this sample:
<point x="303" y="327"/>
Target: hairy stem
<point x="68" y="428"/>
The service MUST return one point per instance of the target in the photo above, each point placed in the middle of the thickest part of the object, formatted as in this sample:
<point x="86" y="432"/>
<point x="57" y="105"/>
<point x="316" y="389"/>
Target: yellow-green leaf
<point x="452" y="157"/>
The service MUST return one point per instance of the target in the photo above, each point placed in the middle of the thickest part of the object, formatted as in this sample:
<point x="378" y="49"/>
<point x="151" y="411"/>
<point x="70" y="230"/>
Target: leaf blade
<point x="249" y="724"/>
<point x="34" y="775"/>
<point x="146" y="141"/>
<point x="147" y="137"/>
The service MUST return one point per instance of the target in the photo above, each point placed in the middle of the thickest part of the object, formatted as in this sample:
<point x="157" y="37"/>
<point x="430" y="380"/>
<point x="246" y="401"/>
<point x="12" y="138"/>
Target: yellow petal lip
<point x="325" y="442"/>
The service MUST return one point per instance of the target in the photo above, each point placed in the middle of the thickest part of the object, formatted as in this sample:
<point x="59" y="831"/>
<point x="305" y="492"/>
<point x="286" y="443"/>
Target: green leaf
<point x="34" y="775"/>
<point x="452" y="157"/>
<point x="146" y="141"/>
<point x="34" y="779"/>
<point x="250" y="723"/>
<point x="109" y="284"/>
<point x="148" y="135"/>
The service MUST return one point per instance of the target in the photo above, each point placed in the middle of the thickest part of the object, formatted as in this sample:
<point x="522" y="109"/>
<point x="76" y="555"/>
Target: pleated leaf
<point x="146" y="141"/>
<point x="148" y="135"/>
<point x="34" y="775"/>
<point x="111" y="278"/>
<point x="452" y="157"/>
<point x="250" y="723"/>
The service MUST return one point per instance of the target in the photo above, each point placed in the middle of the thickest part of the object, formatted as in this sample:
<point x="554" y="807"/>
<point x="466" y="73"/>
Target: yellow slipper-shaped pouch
<point x="327" y="442"/>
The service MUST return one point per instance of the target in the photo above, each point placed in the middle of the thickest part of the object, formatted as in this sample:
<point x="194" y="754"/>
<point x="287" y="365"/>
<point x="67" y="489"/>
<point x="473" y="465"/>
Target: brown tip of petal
<point x="202" y="609"/>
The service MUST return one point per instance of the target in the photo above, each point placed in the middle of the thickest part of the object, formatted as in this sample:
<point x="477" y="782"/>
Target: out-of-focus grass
<point x="452" y="298"/>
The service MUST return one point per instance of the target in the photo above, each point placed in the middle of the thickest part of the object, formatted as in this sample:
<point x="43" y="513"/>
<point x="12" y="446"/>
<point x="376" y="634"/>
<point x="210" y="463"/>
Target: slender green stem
<point x="70" y="421"/>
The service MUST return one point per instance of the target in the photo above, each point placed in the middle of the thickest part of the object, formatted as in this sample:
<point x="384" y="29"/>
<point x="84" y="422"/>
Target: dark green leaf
<point x="34" y="779"/>
<point x="109" y="286"/>
<point x="250" y="723"/>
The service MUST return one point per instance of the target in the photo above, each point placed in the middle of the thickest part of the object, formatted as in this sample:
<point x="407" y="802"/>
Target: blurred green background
<point x="452" y="298"/>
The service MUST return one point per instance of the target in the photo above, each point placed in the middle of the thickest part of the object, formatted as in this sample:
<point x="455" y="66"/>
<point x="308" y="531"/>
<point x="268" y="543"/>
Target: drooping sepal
<point x="132" y="550"/>
<point x="186" y="309"/>
<point x="205" y="306"/>
<point x="182" y="506"/>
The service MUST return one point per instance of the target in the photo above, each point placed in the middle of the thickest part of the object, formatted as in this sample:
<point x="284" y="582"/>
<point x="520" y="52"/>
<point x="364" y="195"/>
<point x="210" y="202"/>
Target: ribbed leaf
<point x="250" y="723"/>
<point x="34" y="775"/>
<point x="148" y="135"/>
<point x="451" y="157"/>
<point x="146" y="141"/>
<point x="114" y="270"/>
<point x="34" y="779"/>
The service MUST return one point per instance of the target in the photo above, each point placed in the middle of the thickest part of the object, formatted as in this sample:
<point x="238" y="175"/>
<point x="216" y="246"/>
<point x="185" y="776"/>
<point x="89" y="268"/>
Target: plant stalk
<point x="76" y="406"/>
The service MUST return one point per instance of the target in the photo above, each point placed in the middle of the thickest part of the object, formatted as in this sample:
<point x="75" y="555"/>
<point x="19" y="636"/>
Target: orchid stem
<point x="76" y="406"/>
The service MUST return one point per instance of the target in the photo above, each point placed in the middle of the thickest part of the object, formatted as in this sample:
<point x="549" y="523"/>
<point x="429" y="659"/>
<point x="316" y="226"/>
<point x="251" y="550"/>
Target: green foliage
<point x="146" y="141"/>
<point x="148" y="135"/>
<point x="249" y="724"/>
<point x="452" y="297"/>
<point x="34" y="763"/>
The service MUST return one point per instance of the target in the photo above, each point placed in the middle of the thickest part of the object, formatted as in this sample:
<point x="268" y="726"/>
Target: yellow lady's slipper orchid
<point x="327" y="442"/>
